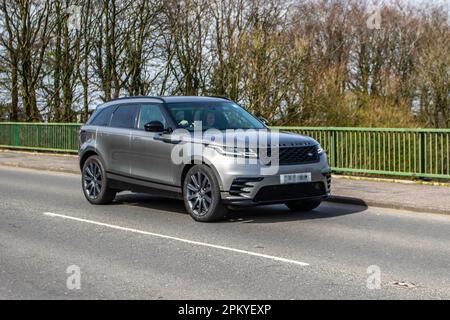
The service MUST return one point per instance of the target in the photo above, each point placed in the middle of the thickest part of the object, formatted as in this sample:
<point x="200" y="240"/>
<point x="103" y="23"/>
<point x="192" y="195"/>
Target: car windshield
<point x="212" y="115"/>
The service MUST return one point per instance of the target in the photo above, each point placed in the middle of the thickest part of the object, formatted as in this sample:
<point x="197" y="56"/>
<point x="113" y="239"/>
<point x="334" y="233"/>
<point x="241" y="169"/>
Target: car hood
<point x="243" y="137"/>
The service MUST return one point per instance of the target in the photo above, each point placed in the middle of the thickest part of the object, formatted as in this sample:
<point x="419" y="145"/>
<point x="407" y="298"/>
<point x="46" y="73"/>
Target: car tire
<point x="201" y="194"/>
<point x="303" y="206"/>
<point x="95" y="183"/>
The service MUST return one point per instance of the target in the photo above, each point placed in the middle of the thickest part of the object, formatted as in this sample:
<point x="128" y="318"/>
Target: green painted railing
<point x="421" y="153"/>
<point x="60" y="137"/>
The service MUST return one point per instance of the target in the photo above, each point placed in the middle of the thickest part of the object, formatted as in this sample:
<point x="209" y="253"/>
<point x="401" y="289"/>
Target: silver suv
<point x="207" y="151"/>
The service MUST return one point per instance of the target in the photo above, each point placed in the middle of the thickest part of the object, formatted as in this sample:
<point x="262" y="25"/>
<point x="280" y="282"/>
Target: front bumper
<point x="272" y="194"/>
<point x="260" y="188"/>
<point x="242" y="202"/>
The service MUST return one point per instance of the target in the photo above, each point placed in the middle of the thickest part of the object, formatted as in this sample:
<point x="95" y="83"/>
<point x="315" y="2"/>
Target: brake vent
<point x="329" y="181"/>
<point x="243" y="186"/>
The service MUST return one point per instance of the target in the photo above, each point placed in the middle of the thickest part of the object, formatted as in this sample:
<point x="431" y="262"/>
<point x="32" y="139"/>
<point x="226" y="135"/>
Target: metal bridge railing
<point x="423" y="153"/>
<point x="58" y="137"/>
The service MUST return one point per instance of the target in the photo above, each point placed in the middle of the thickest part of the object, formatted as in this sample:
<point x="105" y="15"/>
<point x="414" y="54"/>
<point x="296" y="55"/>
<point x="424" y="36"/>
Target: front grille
<point x="294" y="155"/>
<point x="298" y="155"/>
<point x="290" y="191"/>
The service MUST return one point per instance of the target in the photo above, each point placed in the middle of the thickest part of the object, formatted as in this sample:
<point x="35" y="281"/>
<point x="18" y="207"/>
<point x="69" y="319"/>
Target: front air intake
<point x="243" y="186"/>
<point x="290" y="192"/>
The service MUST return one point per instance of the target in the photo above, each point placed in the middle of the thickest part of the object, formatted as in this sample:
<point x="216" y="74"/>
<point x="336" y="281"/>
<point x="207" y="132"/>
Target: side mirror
<point x="154" y="126"/>
<point x="264" y="120"/>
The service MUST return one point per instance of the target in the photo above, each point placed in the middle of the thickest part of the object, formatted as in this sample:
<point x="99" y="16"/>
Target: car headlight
<point x="235" y="151"/>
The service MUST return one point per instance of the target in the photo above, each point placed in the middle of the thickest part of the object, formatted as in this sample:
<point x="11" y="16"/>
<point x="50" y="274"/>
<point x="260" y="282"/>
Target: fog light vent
<point x="244" y="185"/>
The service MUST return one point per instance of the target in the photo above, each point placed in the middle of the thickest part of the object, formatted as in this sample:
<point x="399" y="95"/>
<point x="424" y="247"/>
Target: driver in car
<point x="181" y="120"/>
<point x="210" y="119"/>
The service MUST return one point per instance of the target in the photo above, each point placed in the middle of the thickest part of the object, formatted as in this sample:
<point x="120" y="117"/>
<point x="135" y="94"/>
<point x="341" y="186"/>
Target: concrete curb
<point x="392" y="180"/>
<point x="49" y="169"/>
<point x="37" y="153"/>
<point x="361" y="202"/>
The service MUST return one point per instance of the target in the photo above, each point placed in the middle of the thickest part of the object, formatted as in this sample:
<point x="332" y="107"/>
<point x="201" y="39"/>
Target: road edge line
<point x="192" y="242"/>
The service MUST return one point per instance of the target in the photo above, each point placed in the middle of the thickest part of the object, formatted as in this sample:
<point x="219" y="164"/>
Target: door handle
<point x="167" y="140"/>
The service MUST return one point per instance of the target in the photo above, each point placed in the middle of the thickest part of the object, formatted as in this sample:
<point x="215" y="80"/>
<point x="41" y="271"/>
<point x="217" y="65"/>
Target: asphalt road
<point x="149" y="248"/>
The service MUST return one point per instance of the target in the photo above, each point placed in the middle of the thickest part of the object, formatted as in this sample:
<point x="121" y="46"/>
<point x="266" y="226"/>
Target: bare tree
<point x="189" y="30"/>
<point x="10" y="60"/>
<point x="31" y="25"/>
<point x="312" y="62"/>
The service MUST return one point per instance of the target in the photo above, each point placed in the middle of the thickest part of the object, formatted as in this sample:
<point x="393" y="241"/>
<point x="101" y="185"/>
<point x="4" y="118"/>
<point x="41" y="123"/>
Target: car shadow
<point x="150" y="201"/>
<point x="260" y="214"/>
<point x="280" y="213"/>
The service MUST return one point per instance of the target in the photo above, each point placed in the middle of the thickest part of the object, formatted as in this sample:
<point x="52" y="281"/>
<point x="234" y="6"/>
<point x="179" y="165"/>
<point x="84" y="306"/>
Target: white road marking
<point x="198" y="243"/>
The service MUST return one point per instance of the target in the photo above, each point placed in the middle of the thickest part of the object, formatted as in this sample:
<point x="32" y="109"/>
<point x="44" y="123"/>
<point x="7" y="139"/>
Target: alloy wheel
<point x="93" y="180"/>
<point x="199" y="193"/>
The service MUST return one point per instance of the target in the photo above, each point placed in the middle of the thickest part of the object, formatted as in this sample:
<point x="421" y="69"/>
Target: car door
<point x="151" y="160"/>
<point x="116" y="138"/>
<point x="97" y="126"/>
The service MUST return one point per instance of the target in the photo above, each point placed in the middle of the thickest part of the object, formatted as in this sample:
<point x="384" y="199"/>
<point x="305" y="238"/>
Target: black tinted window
<point x="125" y="116"/>
<point x="217" y="115"/>
<point x="102" y="117"/>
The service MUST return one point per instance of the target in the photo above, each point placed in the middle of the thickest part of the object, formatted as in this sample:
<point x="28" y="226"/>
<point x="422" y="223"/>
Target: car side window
<point x="102" y="117"/>
<point x="125" y="116"/>
<point x="149" y="113"/>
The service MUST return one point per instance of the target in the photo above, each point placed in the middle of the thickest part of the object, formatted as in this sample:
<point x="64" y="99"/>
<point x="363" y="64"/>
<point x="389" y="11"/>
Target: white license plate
<point x="295" y="178"/>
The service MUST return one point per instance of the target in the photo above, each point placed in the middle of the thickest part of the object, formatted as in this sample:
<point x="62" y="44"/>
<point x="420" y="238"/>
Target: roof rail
<point x="139" y="97"/>
<point x="221" y="97"/>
